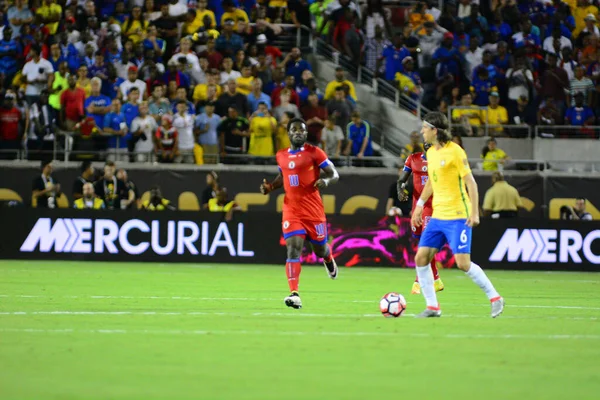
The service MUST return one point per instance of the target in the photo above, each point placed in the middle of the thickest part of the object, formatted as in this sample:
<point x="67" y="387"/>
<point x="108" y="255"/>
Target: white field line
<point x="291" y="314"/>
<point x="100" y="297"/>
<point x="301" y="333"/>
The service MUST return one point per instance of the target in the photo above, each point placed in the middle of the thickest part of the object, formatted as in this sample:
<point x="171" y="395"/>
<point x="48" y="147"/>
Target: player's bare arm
<point x="331" y="177"/>
<point x="417" y="213"/>
<point x="266" y="187"/>
<point x="471" y="184"/>
<point x="401" y="186"/>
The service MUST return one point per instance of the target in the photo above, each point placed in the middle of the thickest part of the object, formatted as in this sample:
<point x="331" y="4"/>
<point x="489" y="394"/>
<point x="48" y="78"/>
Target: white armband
<point x="420" y="203"/>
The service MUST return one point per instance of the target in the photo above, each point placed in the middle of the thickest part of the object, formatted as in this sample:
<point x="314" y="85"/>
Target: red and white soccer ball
<point x="392" y="305"/>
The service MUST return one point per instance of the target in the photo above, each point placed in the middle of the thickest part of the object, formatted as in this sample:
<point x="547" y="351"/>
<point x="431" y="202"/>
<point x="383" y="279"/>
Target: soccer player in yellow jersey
<point x="455" y="213"/>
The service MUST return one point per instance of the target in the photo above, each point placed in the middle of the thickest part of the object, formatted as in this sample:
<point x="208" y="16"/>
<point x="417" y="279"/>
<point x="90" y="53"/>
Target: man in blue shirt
<point x="579" y="114"/>
<point x="229" y="43"/>
<point x="9" y="48"/>
<point x="19" y="15"/>
<point x="111" y="85"/>
<point x="114" y="125"/>
<point x="358" y="134"/>
<point x="206" y="129"/>
<point x="295" y="64"/>
<point x="448" y="58"/>
<point x="97" y="105"/>
<point x="393" y="56"/>
<point x="130" y="109"/>
<point x="181" y="95"/>
<point x="257" y="96"/>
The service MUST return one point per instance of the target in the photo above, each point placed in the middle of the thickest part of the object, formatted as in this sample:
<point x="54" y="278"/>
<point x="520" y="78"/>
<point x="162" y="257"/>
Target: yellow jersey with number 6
<point x="447" y="168"/>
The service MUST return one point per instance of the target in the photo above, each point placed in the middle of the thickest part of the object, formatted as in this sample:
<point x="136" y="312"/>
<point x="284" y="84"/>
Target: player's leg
<point x="317" y="235"/>
<point x="432" y="239"/>
<point x="293" y="268"/>
<point x="460" y="243"/>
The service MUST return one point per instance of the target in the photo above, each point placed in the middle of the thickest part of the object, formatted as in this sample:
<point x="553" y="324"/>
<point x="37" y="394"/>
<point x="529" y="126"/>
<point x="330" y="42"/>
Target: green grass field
<point x="73" y="330"/>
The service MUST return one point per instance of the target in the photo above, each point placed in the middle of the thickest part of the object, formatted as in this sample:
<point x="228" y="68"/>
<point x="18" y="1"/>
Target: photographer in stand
<point x="577" y="212"/>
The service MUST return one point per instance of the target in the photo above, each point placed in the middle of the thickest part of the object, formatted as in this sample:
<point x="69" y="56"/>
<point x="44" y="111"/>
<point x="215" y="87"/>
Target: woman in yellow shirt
<point x="83" y="81"/>
<point x="492" y="156"/>
<point x="136" y="27"/>
<point x="262" y="131"/>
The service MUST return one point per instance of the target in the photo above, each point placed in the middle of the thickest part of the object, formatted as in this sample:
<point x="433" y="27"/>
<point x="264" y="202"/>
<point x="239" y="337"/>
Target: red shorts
<point x="315" y="231"/>
<point x="426" y="216"/>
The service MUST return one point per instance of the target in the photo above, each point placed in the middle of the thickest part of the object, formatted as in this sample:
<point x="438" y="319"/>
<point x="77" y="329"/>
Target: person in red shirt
<point x="416" y="164"/>
<point x="9" y="124"/>
<point x="290" y="84"/>
<point x="315" y="116"/>
<point x="303" y="212"/>
<point x="71" y="104"/>
<point x="166" y="145"/>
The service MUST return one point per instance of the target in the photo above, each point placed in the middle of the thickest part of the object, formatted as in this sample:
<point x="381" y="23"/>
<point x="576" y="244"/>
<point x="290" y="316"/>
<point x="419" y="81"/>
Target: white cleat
<point x="332" y="268"/>
<point x="293" y="300"/>
<point x="497" y="307"/>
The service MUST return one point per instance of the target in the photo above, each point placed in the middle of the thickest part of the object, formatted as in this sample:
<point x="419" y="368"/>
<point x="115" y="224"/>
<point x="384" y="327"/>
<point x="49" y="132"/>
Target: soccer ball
<point x="392" y="305"/>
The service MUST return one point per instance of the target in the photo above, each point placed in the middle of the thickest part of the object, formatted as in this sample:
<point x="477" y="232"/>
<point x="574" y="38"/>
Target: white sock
<point x="481" y="279"/>
<point x="426" y="281"/>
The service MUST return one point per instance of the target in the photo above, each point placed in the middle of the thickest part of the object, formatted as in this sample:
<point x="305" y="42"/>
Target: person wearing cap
<point x="448" y="58"/>
<point x="340" y="79"/>
<point x="495" y="114"/>
<point x="234" y="14"/>
<point x="501" y="200"/>
<point x="591" y="25"/>
<point x="492" y="156"/>
<point x="229" y="42"/>
<point x="406" y="84"/>
<point x="579" y="114"/>
<point x="133" y="81"/>
<point x="581" y="10"/>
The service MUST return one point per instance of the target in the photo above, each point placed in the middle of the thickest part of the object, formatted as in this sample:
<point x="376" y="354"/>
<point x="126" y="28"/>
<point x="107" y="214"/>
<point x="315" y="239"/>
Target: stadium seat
<point x="188" y="201"/>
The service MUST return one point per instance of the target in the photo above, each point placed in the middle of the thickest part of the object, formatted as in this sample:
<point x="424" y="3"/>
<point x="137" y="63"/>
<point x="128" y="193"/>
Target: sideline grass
<point x="154" y="331"/>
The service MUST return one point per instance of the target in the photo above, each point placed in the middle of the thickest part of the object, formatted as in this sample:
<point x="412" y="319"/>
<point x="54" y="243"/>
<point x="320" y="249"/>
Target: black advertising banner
<point x="538" y="245"/>
<point x="353" y="194"/>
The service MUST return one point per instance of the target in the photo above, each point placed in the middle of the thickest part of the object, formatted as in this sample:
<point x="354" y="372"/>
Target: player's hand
<point x="320" y="184"/>
<point x="473" y="221"/>
<point x="265" y="187"/>
<point x="402" y="194"/>
<point x="416" y="220"/>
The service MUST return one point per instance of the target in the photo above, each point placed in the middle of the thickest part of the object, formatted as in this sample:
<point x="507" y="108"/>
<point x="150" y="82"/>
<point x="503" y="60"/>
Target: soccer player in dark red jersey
<point x="303" y="213"/>
<point x="416" y="164"/>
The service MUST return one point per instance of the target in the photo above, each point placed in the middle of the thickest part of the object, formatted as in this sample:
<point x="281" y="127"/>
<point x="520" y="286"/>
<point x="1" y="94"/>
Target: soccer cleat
<point x="293" y="300"/>
<point x="429" y="313"/>
<point x="497" y="307"/>
<point x="332" y="268"/>
<point x="416" y="289"/>
<point x="438" y="285"/>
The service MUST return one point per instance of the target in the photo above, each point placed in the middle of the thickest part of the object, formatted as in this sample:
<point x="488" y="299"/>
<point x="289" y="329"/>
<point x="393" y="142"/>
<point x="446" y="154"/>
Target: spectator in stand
<point x="290" y="85"/>
<point x="130" y="110"/>
<point x="9" y="49"/>
<point x="136" y="27"/>
<point x="581" y="84"/>
<point x="556" y="42"/>
<point x="414" y="146"/>
<point x="473" y="57"/>
<point x="215" y="58"/>
<point x="577" y="212"/>
<point x="311" y="88"/>
<point x="458" y="140"/>
<point x="45" y="188"/>
<point x="418" y="16"/>
<point x="229" y="43"/>
<point x="116" y="127"/>
<point x="430" y="38"/>
<point x="158" y="105"/>
<point x="294" y="64"/>
<point x="166" y="141"/>
<point x="300" y="13"/>
<point x="375" y="16"/>
<point x="528" y="34"/>
<point x="18" y="16"/>
<point x="10" y="116"/>
<point x="374" y="48"/>
<point x="340" y="79"/>
<point x="244" y="82"/>
<point x="452" y="100"/>
<point x="493" y="157"/>
<point x="231" y="97"/>
<point x="206" y="130"/>
<point x="468" y="116"/>
<point x="257" y="96"/>
<point x="220" y="203"/>
<point x="43" y="125"/>
<point x="143" y="128"/>
<point x="519" y="80"/>
<point x="567" y="63"/>
<point x="332" y="138"/>
<point x="462" y="40"/>
<point x="579" y="114"/>
<point x="347" y="37"/>
<point x="393" y="56"/>
<point x="522" y="113"/>
<point x="83" y="81"/>
<point x="210" y="191"/>
<point x="501" y="200"/>
<point x="555" y="81"/>
<point x="71" y="104"/>
<point x="182" y="96"/>
<point x="549" y="112"/>
<point x="502" y="60"/>
<point x="157" y="202"/>
<point x="97" y="105"/>
<point x="187" y="58"/>
<point x="228" y="72"/>
<point x="481" y="86"/>
<point x="87" y="199"/>
<point x="200" y="93"/>
<point x="36" y="74"/>
<point x="581" y="9"/>
<point x="448" y="60"/>
<point x="476" y="24"/>
<point x="358" y="134"/>
<point x="234" y="14"/>
<point x="232" y="132"/>
<point x="263" y="128"/>
<point x="340" y="107"/>
<point x="282" y="140"/>
<point x="315" y="116"/>
<point x="590" y="25"/>
<point x="133" y="81"/>
<point x="49" y="14"/>
<point x="285" y="106"/>
<point x="495" y="115"/>
<point x="183" y="122"/>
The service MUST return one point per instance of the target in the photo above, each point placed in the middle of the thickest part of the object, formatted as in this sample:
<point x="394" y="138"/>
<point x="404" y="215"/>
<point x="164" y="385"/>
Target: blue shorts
<point x="455" y="232"/>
